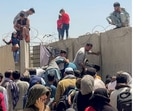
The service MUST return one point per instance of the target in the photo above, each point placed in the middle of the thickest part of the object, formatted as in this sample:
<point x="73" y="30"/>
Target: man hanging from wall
<point x="80" y="56"/>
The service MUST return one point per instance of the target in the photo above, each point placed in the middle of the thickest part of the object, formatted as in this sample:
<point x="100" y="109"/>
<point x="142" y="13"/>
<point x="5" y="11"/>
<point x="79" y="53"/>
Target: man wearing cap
<point x="119" y="17"/>
<point x="61" y="60"/>
<point x="68" y="80"/>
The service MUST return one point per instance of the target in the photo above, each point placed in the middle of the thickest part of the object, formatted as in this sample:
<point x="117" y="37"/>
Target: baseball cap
<point x="68" y="69"/>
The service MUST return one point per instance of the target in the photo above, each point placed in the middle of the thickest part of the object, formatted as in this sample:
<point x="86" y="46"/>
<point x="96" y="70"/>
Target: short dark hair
<point x="90" y="71"/>
<point x="16" y="75"/>
<point x="32" y="9"/>
<point x="8" y="74"/>
<point x="97" y="67"/>
<point x="69" y="72"/>
<point x="51" y="76"/>
<point x="25" y="78"/>
<point x="77" y="73"/>
<point x="116" y="4"/>
<point x="63" y="51"/>
<point x="89" y="44"/>
<point x="62" y="10"/>
<point x="1" y="75"/>
<point x="32" y="71"/>
<point x="121" y="78"/>
<point x="22" y="15"/>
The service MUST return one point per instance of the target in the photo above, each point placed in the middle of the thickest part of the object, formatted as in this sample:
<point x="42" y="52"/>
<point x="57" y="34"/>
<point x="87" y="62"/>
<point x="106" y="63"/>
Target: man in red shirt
<point x="59" y="27"/>
<point x="65" y="23"/>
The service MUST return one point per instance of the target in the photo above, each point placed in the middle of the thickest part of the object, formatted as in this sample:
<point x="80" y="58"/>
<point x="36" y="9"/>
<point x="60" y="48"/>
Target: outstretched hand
<point x="3" y="40"/>
<point x="98" y="53"/>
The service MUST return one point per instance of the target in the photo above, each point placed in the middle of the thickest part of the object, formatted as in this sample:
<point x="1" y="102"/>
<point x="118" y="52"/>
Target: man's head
<point x="63" y="53"/>
<point x="121" y="78"/>
<point x="32" y="71"/>
<point x="91" y="71"/>
<point x="88" y="46"/>
<point x="8" y="74"/>
<point x="77" y="73"/>
<point x="116" y="6"/>
<point x="62" y="11"/>
<point x="22" y="15"/>
<point x="68" y="71"/>
<point x="51" y="77"/>
<point x="31" y="11"/>
<point x="16" y="75"/>
<point x="14" y="34"/>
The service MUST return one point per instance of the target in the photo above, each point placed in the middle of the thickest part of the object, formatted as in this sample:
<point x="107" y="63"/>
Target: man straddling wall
<point x="119" y="17"/>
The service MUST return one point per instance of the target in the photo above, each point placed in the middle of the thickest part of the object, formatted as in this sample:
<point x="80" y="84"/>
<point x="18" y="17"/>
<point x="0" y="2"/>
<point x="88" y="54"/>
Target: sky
<point x="86" y="16"/>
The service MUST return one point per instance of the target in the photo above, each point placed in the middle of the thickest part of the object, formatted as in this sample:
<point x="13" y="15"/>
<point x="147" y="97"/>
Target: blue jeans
<point x="65" y="28"/>
<point x="53" y="91"/>
<point x="16" y="55"/>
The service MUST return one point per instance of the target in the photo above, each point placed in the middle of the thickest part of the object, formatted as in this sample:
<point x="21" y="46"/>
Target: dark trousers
<point x="65" y="28"/>
<point x="60" y="33"/>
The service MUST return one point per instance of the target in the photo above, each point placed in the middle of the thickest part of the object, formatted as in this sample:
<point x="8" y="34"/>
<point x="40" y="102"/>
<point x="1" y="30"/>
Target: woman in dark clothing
<point x="87" y="84"/>
<point x="99" y="101"/>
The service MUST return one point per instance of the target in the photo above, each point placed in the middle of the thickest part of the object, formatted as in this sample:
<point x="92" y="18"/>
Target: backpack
<point x="124" y="100"/>
<point x="63" y="103"/>
<point x="14" y="92"/>
<point x="74" y="102"/>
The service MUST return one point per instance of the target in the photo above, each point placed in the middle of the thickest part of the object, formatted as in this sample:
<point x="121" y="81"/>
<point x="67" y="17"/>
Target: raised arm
<point x="8" y="43"/>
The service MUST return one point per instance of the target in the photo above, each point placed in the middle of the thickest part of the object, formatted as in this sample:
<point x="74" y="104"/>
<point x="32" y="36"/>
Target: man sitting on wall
<point x="119" y="17"/>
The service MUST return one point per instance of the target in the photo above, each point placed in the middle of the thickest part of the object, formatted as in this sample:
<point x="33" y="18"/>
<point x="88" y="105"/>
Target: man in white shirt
<point x="81" y="56"/>
<point x="26" y="14"/>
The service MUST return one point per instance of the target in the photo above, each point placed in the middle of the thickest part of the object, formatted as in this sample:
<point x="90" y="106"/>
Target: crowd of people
<point x="80" y="86"/>
<point x="73" y="92"/>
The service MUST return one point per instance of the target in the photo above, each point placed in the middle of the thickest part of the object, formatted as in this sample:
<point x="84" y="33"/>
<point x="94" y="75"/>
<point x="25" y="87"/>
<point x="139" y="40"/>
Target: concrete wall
<point x="116" y="51"/>
<point x="67" y="45"/>
<point x="6" y="58"/>
<point x="115" y="47"/>
<point x="91" y="38"/>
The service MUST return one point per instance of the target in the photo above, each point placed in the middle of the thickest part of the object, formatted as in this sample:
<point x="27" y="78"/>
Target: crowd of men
<point x="68" y="86"/>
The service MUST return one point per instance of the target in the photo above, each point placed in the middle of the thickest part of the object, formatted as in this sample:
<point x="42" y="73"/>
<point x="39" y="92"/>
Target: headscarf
<point x="87" y="84"/>
<point x="34" y="93"/>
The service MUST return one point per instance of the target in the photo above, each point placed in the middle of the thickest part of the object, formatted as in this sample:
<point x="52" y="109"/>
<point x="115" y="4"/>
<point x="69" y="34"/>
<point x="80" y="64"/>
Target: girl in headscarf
<point x="37" y="98"/>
